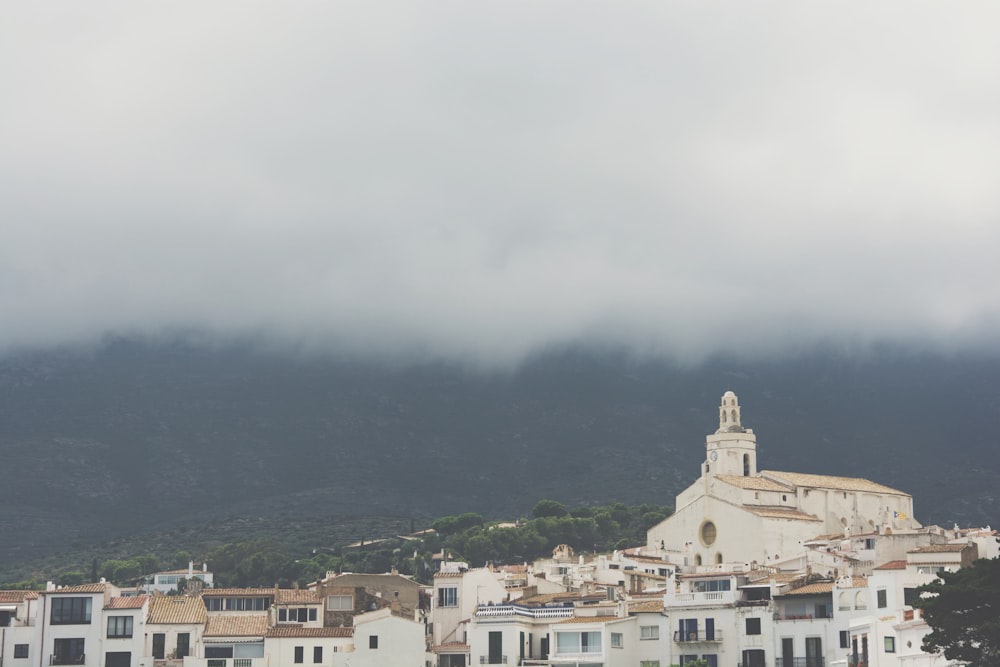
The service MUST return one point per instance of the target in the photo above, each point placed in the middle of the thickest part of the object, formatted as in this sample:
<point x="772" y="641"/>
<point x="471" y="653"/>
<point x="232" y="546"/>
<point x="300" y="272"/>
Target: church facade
<point x="736" y="513"/>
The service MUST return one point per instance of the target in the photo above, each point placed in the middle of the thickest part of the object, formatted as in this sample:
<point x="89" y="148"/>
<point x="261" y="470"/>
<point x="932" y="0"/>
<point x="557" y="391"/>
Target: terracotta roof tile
<point x="893" y="565"/>
<point x="755" y="483"/>
<point x="236" y="625"/>
<point x="939" y="549"/>
<point x="133" y="602"/>
<point x="82" y="588"/>
<point x="297" y="596"/>
<point x="450" y="647"/>
<point x="636" y="606"/>
<point x="177" y="609"/>
<point x="780" y="513"/>
<point x="818" y="588"/>
<point x="444" y="575"/>
<point x="590" y="619"/>
<point x="830" y="482"/>
<point x="8" y="597"/>
<point x="305" y="633"/>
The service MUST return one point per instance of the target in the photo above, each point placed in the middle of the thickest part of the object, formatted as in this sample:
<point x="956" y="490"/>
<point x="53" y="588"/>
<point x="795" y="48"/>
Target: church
<point x="737" y="513"/>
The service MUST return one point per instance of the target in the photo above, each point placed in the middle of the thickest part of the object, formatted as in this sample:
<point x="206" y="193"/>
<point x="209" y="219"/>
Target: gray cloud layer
<point x="481" y="179"/>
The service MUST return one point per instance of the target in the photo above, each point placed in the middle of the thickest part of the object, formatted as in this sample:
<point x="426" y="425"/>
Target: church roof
<point x="829" y="482"/>
<point x="754" y="483"/>
<point x="781" y="513"/>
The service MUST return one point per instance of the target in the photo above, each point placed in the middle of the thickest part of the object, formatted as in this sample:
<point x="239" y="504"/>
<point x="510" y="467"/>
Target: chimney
<point x="190" y="569"/>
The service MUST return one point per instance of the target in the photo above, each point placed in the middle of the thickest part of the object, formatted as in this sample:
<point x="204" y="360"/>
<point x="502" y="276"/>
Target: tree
<point x="963" y="610"/>
<point x="545" y="508"/>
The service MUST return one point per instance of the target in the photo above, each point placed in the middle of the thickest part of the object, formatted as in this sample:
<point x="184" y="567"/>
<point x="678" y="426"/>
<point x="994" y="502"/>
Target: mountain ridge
<point x="131" y="436"/>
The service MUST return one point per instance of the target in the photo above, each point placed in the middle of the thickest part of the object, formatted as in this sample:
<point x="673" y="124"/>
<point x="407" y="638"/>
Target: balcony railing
<point x="702" y="598"/>
<point x="815" y="661"/>
<point x="697" y="636"/>
<point x="67" y="659"/>
<point x="518" y="610"/>
<point x="495" y="660"/>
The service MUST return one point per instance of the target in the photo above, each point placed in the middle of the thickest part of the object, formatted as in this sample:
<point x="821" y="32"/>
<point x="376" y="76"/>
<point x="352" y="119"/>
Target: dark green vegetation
<point x="285" y="558"/>
<point x="963" y="610"/>
<point x="135" y="438"/>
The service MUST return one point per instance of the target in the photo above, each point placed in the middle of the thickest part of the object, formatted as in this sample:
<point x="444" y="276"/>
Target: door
<point x="496" y="648"/>
<point x="814" y="652"/>
<point x="787" y="652"/>
<point x="710" y="629"/>
<point x="543" y="648"/>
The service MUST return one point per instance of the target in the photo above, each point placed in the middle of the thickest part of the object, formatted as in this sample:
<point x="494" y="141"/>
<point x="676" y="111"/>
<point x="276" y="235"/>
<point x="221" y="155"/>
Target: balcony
<point x="484" y="610"/>
<point x="67" y="659"/>
<point x="815" y="661"/>
<point x="225" y="662"/>
<point x="494" y="660"/>
<point x="699" y="637"/>
<point x="713" y="598"/>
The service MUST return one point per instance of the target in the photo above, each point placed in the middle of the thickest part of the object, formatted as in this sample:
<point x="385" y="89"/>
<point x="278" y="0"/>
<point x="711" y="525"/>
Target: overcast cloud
<point x="481" y="179"/>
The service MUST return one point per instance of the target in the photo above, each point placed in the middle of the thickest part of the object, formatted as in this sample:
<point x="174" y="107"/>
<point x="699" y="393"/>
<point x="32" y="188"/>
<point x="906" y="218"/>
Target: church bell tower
<point x="732" y="449"/>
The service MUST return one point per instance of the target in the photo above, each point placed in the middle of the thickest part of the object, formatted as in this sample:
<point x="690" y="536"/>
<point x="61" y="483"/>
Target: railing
<point x="67" y="659"/>
<point x="801" y="617"/>
<point x="495" y="660"/>
<point x="713" y="597"/>
<point x="518" y="610"/>
<point x="815" y="661"/>
<point x="696" y="636"/>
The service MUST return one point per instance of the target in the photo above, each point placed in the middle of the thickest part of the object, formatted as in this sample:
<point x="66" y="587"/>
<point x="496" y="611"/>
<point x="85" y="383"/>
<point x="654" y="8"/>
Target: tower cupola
<point x="729" y="414"/>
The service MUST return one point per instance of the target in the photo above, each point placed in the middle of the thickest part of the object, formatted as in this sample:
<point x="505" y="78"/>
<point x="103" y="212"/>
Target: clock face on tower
<point x="714" y="456"/>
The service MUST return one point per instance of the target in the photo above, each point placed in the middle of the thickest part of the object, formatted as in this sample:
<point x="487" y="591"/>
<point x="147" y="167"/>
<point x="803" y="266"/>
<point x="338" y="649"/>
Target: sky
<point x="483" y="180"/>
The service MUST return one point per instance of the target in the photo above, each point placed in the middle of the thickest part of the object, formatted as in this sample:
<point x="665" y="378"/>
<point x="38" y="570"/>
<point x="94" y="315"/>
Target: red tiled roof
<point x="238" y="592"/>
<point x="133" y="602"/>
<point x="8" y="597"/>
<point x="279" y="631"/>
<point x="82" y="588"/>
<point x="893" y="565"/>
<point x="818" y="588"/>
<point x="236" y="625"/>
<point x="177" y="609"/>
<point x="297" y="596"/>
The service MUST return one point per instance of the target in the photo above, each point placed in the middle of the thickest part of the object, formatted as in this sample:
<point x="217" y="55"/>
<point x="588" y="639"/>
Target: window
<point x="118" y="659"/>
<point x="578" y="642"/>
<point x="753" y="626"/>
<point x="68" y="651"/>
<point x="317" y="654"/>
<point x="880" y="596"/>
<point x="649" y="632"/>
<point x="448" y="597"/>
<point x="299" y="655"/>
<point x="711" y="586"/>
<point x="70" y="611"/>
<point x="183" y="644"/>
<point x="708" y="533"/>
<point x="685" y="659"/>
<point x="712" y="659"/>
<point x="160" y="645"/>
<point x="340" y="602"/>
<point x="20" y="650"/>
<point x="890" y="644"/>
<point x="616" y="640"/>
<point x="845" y="639"/>
<point x="299" y="615"/>
<point x="372" y="641"/>
<point x="119" y="627"/>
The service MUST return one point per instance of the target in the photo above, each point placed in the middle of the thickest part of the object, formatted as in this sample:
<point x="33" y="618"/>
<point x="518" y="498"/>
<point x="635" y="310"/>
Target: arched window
<point x="697" y="559"/>
<point x="723" y="416"/>
<point x="746" y="465"/>
<point x="718" y="558"/>
<point x="734" y="416"/>
<point x="861" y="600"/>
<point x="844" y="601"/>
